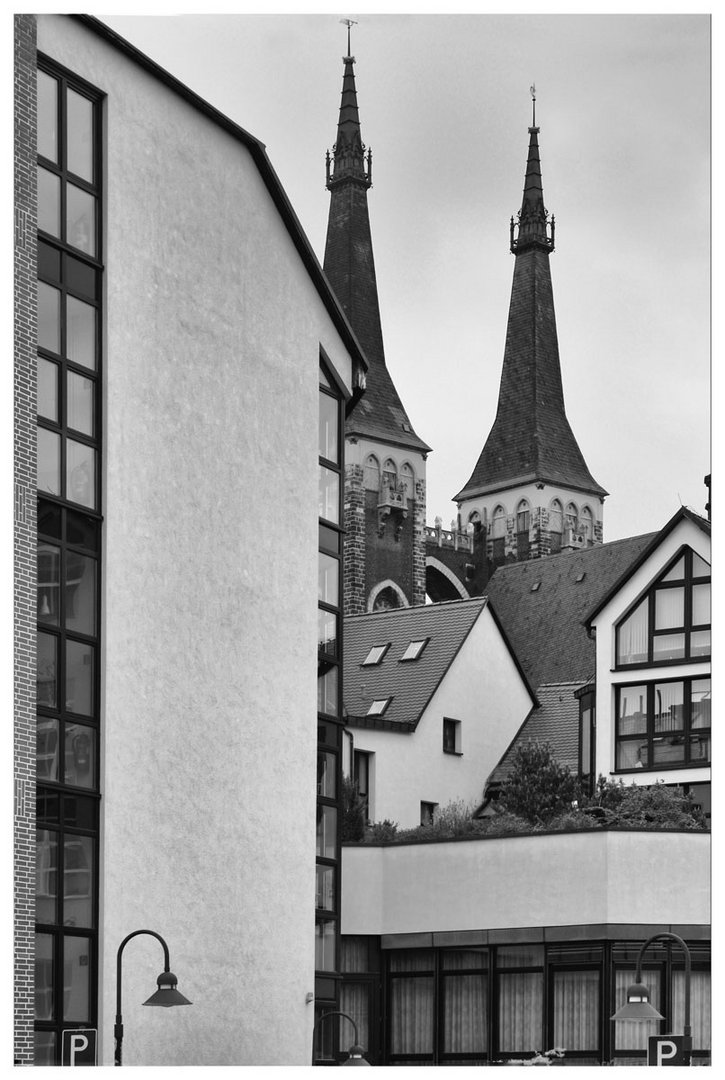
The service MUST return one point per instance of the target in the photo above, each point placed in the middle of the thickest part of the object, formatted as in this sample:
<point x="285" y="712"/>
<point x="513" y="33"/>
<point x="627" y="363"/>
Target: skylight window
<point x="378" y="707"/>
<point x="376" y="654"/>
<point x="414" y="649"/>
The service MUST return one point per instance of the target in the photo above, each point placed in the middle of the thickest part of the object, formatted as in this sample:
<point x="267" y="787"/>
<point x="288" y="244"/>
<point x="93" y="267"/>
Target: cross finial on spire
<point x="532" y="88"/>
<point x="349" y="23"/>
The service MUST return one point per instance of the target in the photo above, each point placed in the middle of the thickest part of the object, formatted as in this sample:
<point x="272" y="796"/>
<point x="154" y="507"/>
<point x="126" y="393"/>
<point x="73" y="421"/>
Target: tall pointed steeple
<point x="531" y="440"/>
<point x="350" y="267"/>
<point x="385" y="461"/>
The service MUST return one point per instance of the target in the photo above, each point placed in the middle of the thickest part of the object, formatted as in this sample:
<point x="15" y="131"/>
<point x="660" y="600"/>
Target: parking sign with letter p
<point x="79" y="1046"/>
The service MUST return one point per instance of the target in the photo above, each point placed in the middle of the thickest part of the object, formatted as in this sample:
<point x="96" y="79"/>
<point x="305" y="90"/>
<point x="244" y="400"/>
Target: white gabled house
<point x="433" y="696"/>
<point x="652" y="633"/>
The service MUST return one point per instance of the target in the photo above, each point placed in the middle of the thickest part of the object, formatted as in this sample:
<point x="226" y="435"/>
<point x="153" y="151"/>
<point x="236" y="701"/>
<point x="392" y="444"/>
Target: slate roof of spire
<point x="350" y="268"/>
<point x="531" y="439"/>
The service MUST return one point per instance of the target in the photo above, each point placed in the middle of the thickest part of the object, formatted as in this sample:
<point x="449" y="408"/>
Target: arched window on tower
<point x="523" y="524"/>
<point x="571" y="516"/>
<point x="371" y="473"/>
<point x="498" y="533"/>
<point x="586" y="526"/>
<point x="474" y="518"/>
<point x="556" y="523"/>
<point x="390" y="473"/>
<point x="407" y="477"/>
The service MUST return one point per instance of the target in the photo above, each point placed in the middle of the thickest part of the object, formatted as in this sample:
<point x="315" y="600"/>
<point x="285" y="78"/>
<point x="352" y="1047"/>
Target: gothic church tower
<point x="531" y="489"/>
<point x="384" y="506"/>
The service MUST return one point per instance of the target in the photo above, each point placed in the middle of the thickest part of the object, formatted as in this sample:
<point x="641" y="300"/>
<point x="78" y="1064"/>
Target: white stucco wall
<point x="568" y="879"/>
<point x="607" y="679"/>
<point x="212" y="341"/>
<point x="485" y="692"/>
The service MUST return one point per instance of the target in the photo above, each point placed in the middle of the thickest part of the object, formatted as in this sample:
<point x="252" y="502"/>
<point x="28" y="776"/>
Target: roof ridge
<point x="480" y="600"/>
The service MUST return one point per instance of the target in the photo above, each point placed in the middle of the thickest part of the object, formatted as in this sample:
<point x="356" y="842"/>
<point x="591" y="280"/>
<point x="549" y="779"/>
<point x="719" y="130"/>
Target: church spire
<point x="531" y="441"/>
<point x="350" y="267"/>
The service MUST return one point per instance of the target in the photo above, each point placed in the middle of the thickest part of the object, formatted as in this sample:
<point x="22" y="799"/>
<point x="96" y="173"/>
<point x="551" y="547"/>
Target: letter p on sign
<point x="667" y="1050"/>
<point x="79" y="1046"/>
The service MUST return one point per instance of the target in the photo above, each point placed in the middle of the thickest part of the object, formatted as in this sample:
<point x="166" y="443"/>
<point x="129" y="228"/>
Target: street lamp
<point x="355" y="1053"/>
<point x="166" y="994"/>
<point x="638" y="1004"/>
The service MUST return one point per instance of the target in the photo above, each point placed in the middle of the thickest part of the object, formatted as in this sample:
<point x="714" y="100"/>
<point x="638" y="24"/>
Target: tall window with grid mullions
<point x="69" y="547"/>
<point x="329" y="712"/>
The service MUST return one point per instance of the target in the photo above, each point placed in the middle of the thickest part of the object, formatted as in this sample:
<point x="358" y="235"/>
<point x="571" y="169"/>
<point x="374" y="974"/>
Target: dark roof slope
<point x="545" y="625"/>
<point x="556" y="722"/>
<point x="410" y="684"/>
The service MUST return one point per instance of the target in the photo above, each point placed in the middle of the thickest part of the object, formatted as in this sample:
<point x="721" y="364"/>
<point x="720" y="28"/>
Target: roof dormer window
<point x="376" y="654"/>
<point x="415" y="649"/>
<point x="378" y="707"/>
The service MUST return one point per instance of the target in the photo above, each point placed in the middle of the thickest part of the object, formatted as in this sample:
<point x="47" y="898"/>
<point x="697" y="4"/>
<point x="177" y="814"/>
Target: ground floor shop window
<point x="479" y="1005"/>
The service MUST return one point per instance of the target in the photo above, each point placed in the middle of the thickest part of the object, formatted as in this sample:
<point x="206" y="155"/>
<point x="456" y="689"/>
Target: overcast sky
<point x="623" y="104"/>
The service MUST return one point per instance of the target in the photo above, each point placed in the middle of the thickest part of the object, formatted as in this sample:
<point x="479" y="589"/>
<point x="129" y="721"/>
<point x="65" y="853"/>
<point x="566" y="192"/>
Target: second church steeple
<point x="531" y="487"/>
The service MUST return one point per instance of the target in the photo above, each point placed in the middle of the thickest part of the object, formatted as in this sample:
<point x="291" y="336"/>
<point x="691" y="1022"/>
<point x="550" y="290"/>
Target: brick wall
<point x="354" y="547"/>
<point x="25" y="529"/>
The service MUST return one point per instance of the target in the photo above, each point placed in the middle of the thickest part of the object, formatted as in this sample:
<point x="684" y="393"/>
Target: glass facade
<point x="476" y="1005"/>
<point x="68" y="559"/>
<point x="329" y="713"/>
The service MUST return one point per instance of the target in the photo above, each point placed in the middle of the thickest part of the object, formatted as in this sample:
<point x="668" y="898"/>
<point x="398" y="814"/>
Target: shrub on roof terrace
<point x="538" y="788"/>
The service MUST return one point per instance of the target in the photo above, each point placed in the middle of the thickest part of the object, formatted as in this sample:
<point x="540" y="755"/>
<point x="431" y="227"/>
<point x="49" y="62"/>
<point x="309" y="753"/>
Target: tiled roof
<point x="409" y="684"/>
<point x="546" y="626"/>
<point x="556" y="721"/>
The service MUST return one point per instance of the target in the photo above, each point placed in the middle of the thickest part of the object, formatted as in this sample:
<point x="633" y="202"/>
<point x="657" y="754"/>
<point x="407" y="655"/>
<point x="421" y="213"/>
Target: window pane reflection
<point x="46" y="750"/>
<point x="325" y="946"/>
<point x="47" y="670"/>
<point x="76" y="978"/>
<point x="47" y="389"/>
<point x="79" y="677"/>
<point x="48" y="202"/>
<point x="80" y="473"/>
<point x="327" y="831"/>
<point x="80" y="755"/>
<point x="325" y="892"/>
<point x="47" y="116"/>
<point x="44" y="1048"/>
<point x="78" y="881"/>
<point x="329" y="494"/>
<point x="48" y="583"/>
<point x="80" y="219"/>
<point x="327" y="689"/>
<point x="328" y="580"/>
<point x="326" y="774"/>
<point x="79" y="591"/>
<point x="80" y="135"/>
<point x="48" y="317"/>
<point x="327" y="632"/>
<point x="329" y="412"/>
<point x="81" y="333"/>
<point x="44" y="1004"/>
<point x="80" y="403"/>
<point x="46" y="876"/>
<point x="48" y="461"/>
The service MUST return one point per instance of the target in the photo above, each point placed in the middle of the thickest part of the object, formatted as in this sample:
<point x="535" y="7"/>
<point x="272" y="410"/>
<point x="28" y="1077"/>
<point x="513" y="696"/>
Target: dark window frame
<point x="685" y="735"/>
<point x="648" y="597"/>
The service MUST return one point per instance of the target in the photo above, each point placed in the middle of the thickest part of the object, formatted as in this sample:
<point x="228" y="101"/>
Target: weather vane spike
<point x="348" y="23"/>
<point x="532" y="88"/>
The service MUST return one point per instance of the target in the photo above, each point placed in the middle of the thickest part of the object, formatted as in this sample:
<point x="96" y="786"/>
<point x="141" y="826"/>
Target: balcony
<point x="589" y="878"/>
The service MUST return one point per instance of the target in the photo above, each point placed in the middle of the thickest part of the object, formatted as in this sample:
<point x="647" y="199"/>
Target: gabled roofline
<point x="266" y="169"/>
<point x="513" y="655"/>
<point x="411" y="726"/>
<point x="478" y="490"/>
<point x="683" y="514"/>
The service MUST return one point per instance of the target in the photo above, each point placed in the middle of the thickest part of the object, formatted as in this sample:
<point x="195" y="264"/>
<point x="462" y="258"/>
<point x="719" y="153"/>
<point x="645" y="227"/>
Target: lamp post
<point x="355" y="1053"/>
<point x="638" y="1005"/>
<point x="166" y="994"/>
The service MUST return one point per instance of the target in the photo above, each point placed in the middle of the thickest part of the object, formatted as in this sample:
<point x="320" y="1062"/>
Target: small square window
<point x="378" y="707"/>
<point x="414" y="649"/>
<point x="451" y="736"/>
<point x="375" y="656"/>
